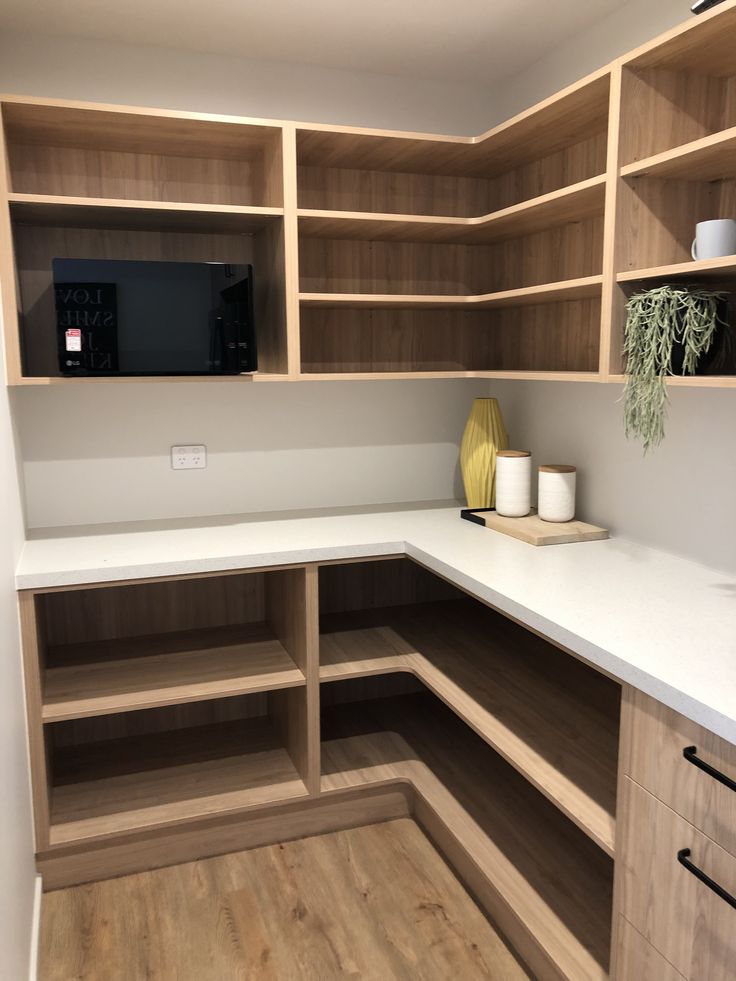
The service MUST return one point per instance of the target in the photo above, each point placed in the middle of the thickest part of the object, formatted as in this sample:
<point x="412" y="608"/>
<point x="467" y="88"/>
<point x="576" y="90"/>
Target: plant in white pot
<point x="669" y="330"/>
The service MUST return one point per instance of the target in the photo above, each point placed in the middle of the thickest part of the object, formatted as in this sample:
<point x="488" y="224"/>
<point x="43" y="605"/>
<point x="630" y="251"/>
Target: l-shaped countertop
<point x="650" y="619"/>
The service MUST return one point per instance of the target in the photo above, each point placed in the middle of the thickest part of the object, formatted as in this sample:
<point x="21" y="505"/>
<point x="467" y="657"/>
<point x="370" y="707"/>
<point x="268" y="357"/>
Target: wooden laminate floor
<point x="375" y="903"/>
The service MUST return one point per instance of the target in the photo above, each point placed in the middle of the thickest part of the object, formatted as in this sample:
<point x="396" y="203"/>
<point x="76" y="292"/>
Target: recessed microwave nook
<point x="132" y="317"/>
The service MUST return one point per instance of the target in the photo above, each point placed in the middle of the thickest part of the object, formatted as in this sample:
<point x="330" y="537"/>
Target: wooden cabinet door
<point x="692" y="927"/>
<point x="654" y="758"/>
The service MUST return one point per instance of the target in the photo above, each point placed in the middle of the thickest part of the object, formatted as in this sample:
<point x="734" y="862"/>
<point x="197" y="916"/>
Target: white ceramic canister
<point x="556" y="500"/>
<point x="513" y="483"/>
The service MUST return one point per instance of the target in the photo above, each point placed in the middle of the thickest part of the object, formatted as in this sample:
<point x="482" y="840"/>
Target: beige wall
<point x="102" y="454"/>
<point x="17" y="869"/>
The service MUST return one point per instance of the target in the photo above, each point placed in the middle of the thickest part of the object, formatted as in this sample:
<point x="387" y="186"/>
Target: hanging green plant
<point x="662" y="322"/>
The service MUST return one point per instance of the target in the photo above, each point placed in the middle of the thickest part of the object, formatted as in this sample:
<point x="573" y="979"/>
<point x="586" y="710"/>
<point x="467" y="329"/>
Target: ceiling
<point x="470" y="41"/>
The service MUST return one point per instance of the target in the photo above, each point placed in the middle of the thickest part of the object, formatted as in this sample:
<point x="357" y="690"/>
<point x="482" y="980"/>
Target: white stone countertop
<point x="649" y="619"/>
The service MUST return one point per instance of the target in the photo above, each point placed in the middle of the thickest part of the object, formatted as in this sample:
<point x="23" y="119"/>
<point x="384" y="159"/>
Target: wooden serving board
<point x="533" y="530"/>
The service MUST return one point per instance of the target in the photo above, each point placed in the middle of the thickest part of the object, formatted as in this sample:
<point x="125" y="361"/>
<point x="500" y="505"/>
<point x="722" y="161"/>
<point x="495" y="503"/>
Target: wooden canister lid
<point x="557" y="468"/>
<point x="513" y="453"/>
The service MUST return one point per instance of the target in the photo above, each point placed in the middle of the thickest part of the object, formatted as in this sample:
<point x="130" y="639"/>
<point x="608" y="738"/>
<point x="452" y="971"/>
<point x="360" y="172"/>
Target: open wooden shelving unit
<point x="384" y="254"/>
<point x="167" y="716"/>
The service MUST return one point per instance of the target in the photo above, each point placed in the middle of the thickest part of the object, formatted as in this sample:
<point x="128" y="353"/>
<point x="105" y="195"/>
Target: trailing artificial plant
<point x="658" y="321"/>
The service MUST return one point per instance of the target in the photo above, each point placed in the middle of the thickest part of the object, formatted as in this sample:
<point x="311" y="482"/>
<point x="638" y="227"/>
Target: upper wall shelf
<point x="58" y="210"/>
<point x="392" y="254"/>
<point x="711" y="158"/>
<point x="564" y="119"/>
<point x="569" y="204"/>
<point x="578" y="289"/>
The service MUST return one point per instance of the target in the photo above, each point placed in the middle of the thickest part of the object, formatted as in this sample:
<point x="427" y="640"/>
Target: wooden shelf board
<point x="259" y="376"/>
<point x="688" y="381"/>
<point x="135" y="129"/>
<point x="497" y="678"/>
<point x="565" y="376"/>
<point x="573" y="114"/>
<point x="74" y="212"/>
<point x="165" y="669"/>
<point x="570" y="204"/>
<point x="711" y="158"/>
<point x="703" y="45"/>
<point x="701" y="269"/>
<point x="165" y="778"/>
<point x="572" y="289"/>
<point x="557" y="884"/>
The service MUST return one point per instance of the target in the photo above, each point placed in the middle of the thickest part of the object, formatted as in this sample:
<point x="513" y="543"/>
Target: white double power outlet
<point x="188" y="457"/>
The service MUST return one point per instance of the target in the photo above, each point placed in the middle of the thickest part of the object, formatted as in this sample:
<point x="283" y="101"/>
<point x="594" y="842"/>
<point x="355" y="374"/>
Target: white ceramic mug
<point x="714" y="238"/>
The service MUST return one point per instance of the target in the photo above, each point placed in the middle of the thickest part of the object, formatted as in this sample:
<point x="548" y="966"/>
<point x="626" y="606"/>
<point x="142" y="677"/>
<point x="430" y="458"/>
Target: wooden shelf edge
<point x="602" y="831"/>
<point x="692" y="268"/>
<point x="35" y="381"/>
<point x="581" y="288"/>
<point x="687" y="381"/>
<point x="665" y="163"/>
<point x="569" y="194"/>
<point x="87" y="708"/>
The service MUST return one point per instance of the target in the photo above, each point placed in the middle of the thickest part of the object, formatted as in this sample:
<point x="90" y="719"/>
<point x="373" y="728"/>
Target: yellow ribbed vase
<point x="484" y="436"/>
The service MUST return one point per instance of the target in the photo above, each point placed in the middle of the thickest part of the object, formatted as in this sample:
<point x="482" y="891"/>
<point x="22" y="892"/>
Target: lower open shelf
<point x="101" y="677"/>
<point x="553" y="718"/>
<point x="158" y="779"/>
<point x="553" y="882"/>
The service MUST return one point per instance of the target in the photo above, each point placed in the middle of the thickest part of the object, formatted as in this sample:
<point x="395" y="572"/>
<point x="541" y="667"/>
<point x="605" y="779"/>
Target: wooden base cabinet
<point x="676" y="861"/>
<point x="175" y="719"/>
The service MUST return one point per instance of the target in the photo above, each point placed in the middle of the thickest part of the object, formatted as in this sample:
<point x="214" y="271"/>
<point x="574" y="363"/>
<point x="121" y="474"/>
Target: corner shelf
<point x="587" y="287"/>
<point x="105" y="677"/>
<point x="518" y="694"/>
<point x="569" y="204"/>
<point x="554" y="885"/>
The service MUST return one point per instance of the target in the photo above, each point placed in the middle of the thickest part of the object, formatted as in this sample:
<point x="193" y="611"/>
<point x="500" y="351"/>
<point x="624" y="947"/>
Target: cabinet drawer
<point x="653" y="757"/>
<point x="637" y="960"/>
<point x="691" y="926"/>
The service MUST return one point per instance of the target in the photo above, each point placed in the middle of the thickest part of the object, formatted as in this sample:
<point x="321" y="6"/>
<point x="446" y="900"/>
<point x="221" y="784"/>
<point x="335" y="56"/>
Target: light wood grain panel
<point x="87" y="124"/>
<point x="69" y="865"/>
<point x="551" y="125"/>
<point x="98" y="678"/>
<point x="546" y="883"/>
<point x="701" y="44"/>
<point x="149" y="607"/>
<point x="361" y="585"/>
<point x="558" y="207"/>
<point x="85" y="212"/>
<point x="552" y="718"/>
<point x="570" y="252"/>
<point x="34" y="658"/>
<point x="680" y="916"/>
<point x="710" y="158"/>
<point x="639" y="961"/>
<point x="654" y="759"/>
<point x="292" y="611"/>
<point x="162" y="780"/>
<point x="9" y="288"/>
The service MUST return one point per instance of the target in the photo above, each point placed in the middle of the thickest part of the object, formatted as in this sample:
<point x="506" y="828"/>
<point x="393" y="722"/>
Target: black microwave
<point x="130" y="317"/>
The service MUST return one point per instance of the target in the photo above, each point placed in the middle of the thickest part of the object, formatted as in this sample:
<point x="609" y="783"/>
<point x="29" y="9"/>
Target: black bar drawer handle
<point x="691" y="755"/>
<point x="683" y="857"/>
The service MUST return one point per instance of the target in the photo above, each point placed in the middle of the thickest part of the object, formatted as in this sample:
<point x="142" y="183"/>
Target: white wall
<point x="102" y="454"/>
<point x="98" y="71"/>
<point x="17" y="868"/>
<point x="632" y="24"/>
<point x="679" y="498"/>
